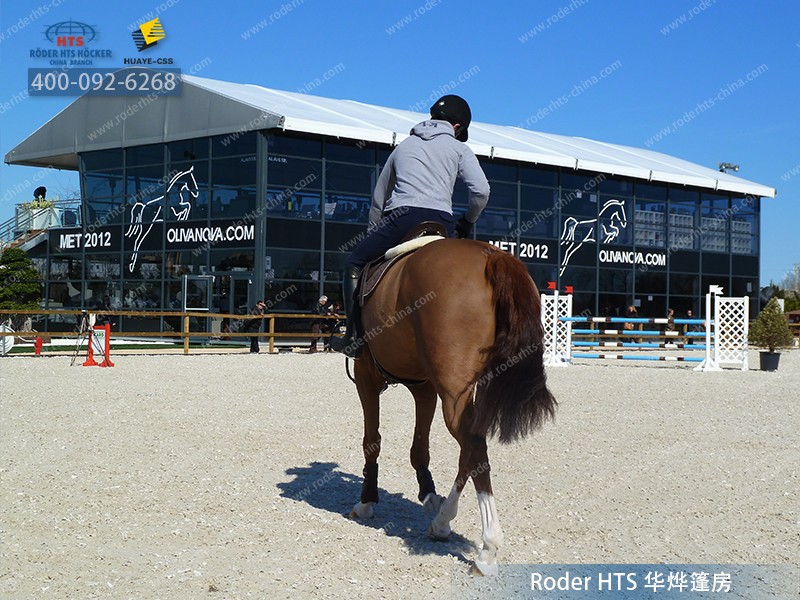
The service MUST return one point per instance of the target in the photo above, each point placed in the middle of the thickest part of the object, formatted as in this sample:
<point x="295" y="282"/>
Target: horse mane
<point x="512" y="398"/>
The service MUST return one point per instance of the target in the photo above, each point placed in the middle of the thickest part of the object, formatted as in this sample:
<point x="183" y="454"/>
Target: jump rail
<point x="725" y="334"/>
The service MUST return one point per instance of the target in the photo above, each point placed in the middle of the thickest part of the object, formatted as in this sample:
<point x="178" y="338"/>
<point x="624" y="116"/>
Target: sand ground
<point x="229" y="476"/>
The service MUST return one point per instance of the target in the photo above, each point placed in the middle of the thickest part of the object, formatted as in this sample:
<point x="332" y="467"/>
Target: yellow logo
<point x="148" y="34"/>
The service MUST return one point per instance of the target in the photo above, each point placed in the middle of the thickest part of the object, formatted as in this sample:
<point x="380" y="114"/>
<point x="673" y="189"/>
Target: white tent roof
<point x="349" y="119"/>
<point x="211" y="107"/>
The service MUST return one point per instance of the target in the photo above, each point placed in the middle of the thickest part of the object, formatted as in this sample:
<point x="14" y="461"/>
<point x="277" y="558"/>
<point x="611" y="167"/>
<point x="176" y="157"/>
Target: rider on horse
<point x="416" y="185"/>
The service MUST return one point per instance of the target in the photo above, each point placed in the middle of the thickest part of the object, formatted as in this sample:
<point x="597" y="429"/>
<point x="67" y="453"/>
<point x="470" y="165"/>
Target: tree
<point x="771" y="328"/>
<point x="19" y="281"/>
<point x="791" y="281"/>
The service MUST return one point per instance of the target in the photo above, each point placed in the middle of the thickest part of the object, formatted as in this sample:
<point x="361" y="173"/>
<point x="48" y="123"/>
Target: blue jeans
<point x="393" y="227"/>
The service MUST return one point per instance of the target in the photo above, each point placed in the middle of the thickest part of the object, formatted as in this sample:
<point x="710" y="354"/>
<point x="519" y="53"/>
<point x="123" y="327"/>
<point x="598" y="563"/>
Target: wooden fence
<point x="185" y="317"/>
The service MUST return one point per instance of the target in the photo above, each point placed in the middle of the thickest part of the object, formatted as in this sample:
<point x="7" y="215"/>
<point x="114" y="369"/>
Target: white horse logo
<point x="145" y="214"/>
<point x="577" y="232"/>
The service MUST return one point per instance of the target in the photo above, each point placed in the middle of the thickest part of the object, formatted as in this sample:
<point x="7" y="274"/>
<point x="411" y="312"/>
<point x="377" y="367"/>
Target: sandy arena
<point x="229" y="476"/>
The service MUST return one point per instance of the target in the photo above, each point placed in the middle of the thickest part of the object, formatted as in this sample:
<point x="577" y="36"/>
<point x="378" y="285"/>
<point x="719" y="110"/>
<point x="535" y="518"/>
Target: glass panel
<point x="685" y="307"/>
<point x="141" y="295"/>
<point x="617" y="186"/>
<point x="616" y="280"/>
<point x="650" y="282"/>
<point x="495" y="222"/>
<point x="682" y="194"/>
<point x="234" y="171"/>
<point x="651" y="224"/>
<point x="103" y="185"/>
<point x="145" y="182"/>
<point x="581" y="278"/>
<point x="653" y="306"/>
<point x="178" y="264"/>
<point x="148" y="266"/>
<point x="650" y="191"/>
<point x="343" y="207"/>
<point x="347" y="151"/>
<point x="714" y="262"/>
<point x="232" y="260"/>
<point x="102" y="159"/>
<point x="294" y="264"/>
<point x="234" y="144"/>
<point x="613" y="305"/>
<point x="103" y="266"/>
<point x="192" y="149"/>
<point x="232" y="202"/>
<point x="682" y="231"/>
<point x="63" y="295"/>
<point x="538" y="199"/>
<point x="342" y="237"/>
<point x="503" y="195"/>
<point x="294" y="146"/>
<point x="539" y="176"/>
<point x="684" y="284"/>
<point x="152" y="154"/>
<point x="63" y="267"/>
<point x="578" y="203"/>
<point x="334" y="265"/>
<point x="348" y="178"/>
<point x="292" y="296"/>
<point x="293" y="172"/>
<point x="499" y="171"/>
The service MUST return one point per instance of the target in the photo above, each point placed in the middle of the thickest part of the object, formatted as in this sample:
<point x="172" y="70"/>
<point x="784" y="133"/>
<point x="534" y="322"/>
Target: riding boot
<point x="349" y="344"/>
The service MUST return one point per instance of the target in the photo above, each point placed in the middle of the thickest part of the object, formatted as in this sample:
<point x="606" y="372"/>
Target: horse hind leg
<point x="369" y="384"/>
<point x="473" y="462"/>
<point x="425" y="405"/>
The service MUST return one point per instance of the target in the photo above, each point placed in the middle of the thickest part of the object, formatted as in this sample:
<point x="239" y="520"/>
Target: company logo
<point x="148" y="34"/>
<point x="70" y="34"/>
<point x="612" y="219"/>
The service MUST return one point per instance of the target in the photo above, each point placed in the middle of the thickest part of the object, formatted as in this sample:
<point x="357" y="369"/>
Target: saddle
<point x="419" y="236"/>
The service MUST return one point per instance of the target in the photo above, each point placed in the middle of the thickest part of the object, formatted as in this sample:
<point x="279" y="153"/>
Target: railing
<point x="62" y="213"/>
<point x="185" y="334"/>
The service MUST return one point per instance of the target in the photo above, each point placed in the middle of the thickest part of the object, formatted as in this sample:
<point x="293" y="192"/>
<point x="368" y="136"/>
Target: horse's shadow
<point x="324" y="487"/>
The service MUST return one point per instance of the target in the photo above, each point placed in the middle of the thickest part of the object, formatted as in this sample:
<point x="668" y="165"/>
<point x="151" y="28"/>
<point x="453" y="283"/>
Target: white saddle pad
<point x="411" y="245"/>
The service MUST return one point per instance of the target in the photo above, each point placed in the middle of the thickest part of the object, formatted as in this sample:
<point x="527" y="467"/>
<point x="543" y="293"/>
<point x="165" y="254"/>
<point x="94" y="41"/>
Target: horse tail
<point x="512" y="399"/>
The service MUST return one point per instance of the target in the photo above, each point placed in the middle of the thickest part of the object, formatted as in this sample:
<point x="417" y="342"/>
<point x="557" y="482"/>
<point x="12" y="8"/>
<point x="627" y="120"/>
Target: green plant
<point x="19" y="281"/>
<point x="38" y="204"/>
<point x="771" y="328"/>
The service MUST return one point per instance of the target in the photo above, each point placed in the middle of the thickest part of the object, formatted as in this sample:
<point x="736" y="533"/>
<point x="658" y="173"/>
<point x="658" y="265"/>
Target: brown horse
<point x="460" y="320"/>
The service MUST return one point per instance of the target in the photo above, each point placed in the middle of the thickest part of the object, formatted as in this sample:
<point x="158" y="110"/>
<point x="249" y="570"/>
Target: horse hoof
<point x="483" y="570"/>
<point x="432" y="504"/>
<point x="440" y="535"/>
<point x="362" y="511"/>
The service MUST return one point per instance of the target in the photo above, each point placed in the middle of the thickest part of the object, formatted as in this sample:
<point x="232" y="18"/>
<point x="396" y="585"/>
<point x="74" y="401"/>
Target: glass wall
<point x="157" y="213"/>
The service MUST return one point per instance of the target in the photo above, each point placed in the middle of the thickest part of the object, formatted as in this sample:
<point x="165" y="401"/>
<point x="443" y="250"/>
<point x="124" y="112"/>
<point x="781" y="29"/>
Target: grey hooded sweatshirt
<point x="422" y="171"/>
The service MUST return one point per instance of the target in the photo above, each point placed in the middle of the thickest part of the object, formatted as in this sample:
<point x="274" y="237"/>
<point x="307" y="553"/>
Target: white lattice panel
<point x="557" y="334"/>
<point x="730" y="330"/>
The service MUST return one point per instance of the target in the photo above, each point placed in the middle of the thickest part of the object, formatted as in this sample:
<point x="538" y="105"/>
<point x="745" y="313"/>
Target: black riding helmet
<point x="453" y="109"/>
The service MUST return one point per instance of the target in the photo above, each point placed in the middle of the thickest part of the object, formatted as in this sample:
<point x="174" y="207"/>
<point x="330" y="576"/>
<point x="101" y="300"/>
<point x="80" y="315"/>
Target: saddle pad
<point x="410" y="245"/>
<point x="374" y="271"/>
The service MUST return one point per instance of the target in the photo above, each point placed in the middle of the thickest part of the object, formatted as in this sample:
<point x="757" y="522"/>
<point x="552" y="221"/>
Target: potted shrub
<point x="771" y="330"/>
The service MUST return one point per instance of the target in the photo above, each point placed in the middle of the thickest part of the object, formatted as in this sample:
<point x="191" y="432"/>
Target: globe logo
<point x="70" y="33"/>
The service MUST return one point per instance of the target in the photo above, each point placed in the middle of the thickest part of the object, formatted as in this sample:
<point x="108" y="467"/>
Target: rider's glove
<point x="463" y="228"/>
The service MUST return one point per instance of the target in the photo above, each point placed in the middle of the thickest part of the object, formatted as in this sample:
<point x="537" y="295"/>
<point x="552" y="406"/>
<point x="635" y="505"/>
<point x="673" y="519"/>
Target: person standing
<point x="318" y="325"/>
<point x="416" y="185"/>
<point x="254" y="325"/>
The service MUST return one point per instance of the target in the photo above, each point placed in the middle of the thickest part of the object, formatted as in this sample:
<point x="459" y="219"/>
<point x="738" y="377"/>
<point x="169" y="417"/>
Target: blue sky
<point x="631" y="72"/>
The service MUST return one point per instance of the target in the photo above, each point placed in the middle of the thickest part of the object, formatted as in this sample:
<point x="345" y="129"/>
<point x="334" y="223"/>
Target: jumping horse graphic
<point x="576" y="232"/>
<point x="146" y="214"/>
